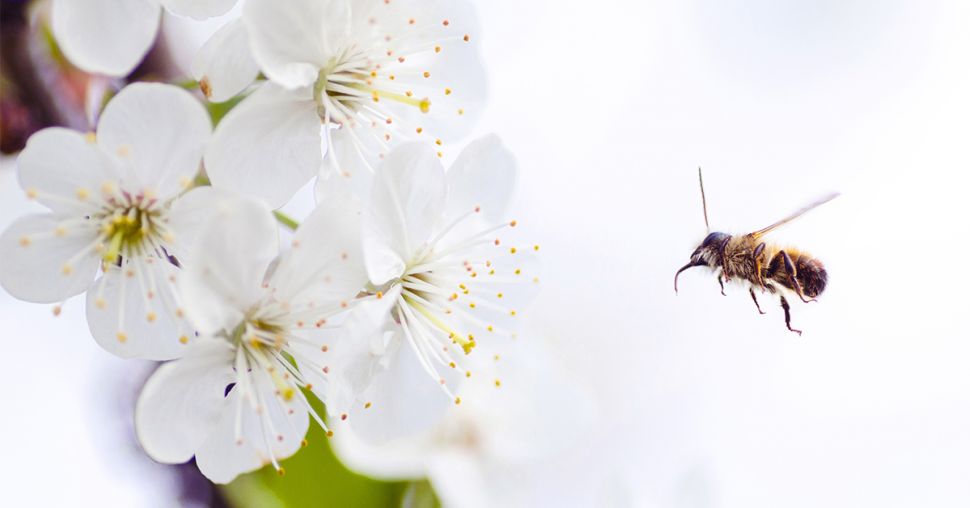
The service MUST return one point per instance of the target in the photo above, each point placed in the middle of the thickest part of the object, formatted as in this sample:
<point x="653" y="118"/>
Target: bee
<point x="760" y="264"/>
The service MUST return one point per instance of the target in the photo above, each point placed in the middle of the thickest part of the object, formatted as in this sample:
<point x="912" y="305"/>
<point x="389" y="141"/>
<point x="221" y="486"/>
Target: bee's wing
<point x="786" y="220"/>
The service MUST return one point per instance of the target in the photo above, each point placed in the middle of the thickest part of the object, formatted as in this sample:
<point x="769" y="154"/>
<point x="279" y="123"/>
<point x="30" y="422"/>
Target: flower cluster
<point x="168" y="225"/>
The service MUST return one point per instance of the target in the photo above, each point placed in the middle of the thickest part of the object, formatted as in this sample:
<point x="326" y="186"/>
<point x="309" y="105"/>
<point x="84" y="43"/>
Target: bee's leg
<point x="720" y="280"/>
<point x="790" y="271"/>
<point x="755" y="298"/>
<point x="787" y="309"/>
<point x="757" y="265"/>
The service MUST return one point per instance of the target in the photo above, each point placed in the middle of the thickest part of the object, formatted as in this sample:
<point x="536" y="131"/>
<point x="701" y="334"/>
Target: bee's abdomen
<point x="809" y="272"/>
<point x="811" y="276"/>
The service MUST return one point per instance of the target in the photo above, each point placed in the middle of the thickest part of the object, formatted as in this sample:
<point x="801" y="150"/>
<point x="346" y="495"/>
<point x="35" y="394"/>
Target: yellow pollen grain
<point x="67" y="269"/>
<point x="452" y="365"/>
<point x="151" y="317"/>
<point x="183" y="340"/>
<point x="304" y="443"/>
<point x="281" y="471"/>
<point x="409" y="93"/>
<point x="179" y="313"/>
<point x="122" y="338"/>
<point x="446" y="22"/>
<point x="457" y="400"/>
<point x="380" y="295"/>
<point x="31" y="193"/>
<point x="24" y="241"/>
<point x="56" y="310"/>
<point x="440" y="155"/>
<point x="490" y="328"/>
<point x="90" y="137"/>
<point x="123" y="150"/>
<point x="512" y="313"/>
<point x="512" y="250"/>
<point x="426" y="74"/>
<point x="472" y="305"/>
<point x="100" y="303"/>
<point x="329" y="433"/>
<point x="424" y="105"/>
<point x="447" y="91"/>
<point x="82" y="193"/>
<point x="461" y="111"/>
<point x="468" y="373"/>
<point x="498" y="383"/>
<point x="60" y="231"/>
<point x="499" y="295"/>
<point x="466" y="38"/>
<point x="437" y="142"/>
<point x="367" y="405"/>
<point x="437" y="49"/>
<point x="419" y="130"/>
<point x="107" y="188"/>
<point x="518" y="271"/>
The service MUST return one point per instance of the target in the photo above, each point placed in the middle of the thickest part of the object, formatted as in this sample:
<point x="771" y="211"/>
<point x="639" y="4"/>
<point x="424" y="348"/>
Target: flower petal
<point x="45" y="261"/>
<point x="160" y="131"/>
<point x="293" y="40"/>
<point x="105" y="36"/>
<point x="190" y="213"/>
<point x="325" y="265"/>
<point x="406" y="202"/>
<point x="281" y="425"/>
<point x="224" y="65"/>
<point x="268" y="146"/>
<point x="199" y="9"/>
<point x="228" y="265"/>
<point x="133" y="312"/>
<point x="483" y="175"/>
<point x="352" y="353"/>
<point x="181" y="403"/>
<point x="65" y="167"/>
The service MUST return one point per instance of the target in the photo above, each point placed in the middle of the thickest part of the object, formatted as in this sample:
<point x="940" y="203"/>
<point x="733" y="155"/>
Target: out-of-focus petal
<point x="159" y="132"/>
<point x="183" y="400"/>
<point x="46" y="260"/>
<point x="199" y="9"/>
<point x="132" y="312"/>
<point x="229" y="263"/>
<point x="483" y="175"/>
<point x="268" y="146"/>
<point x="105" y="36"/>
<point x="224" y="65"/>
<point x="406" y="201"/>
<point x="66" y="169"/>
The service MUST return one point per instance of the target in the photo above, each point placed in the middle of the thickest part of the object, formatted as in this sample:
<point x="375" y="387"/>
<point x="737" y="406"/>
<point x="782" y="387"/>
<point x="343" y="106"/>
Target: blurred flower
<point x="110" y="37"/>
<point x="113" y="205"/>
<point x="235" y="400"/>
<point x="374" y="73"/>
<point x="430" y="246"/>
<point x="519" y="414"/>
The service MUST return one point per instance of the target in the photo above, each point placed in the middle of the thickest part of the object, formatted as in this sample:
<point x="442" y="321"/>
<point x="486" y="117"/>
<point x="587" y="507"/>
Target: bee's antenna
<point x="700" y="178"/>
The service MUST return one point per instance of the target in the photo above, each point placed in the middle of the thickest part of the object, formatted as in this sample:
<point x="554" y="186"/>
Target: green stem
<point x="286" y="220"/>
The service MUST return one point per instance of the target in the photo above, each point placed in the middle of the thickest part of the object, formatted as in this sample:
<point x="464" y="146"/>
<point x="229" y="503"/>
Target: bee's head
<point x="707" y="253"/>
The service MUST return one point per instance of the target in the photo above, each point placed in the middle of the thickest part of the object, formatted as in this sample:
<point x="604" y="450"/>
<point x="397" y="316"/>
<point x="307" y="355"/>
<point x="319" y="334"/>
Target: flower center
<point x="129" y="226"/>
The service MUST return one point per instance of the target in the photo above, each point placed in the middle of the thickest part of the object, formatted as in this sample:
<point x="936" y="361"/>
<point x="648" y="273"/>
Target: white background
<point x="699" y="401"/>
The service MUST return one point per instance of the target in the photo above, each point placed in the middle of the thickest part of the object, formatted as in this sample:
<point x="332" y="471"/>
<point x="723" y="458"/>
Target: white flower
<point x="351" y="78"/>
<point x="111" y="37"/>
<point x="519" y="413"/>
<point x="431" y="242"/>
<point x="111" y="207"/>
<point x="236" y="400"/>
<point x="224" y="65"/>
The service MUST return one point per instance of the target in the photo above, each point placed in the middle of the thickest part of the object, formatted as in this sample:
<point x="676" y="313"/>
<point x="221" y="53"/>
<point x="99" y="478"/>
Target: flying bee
<point x="762" y="265"/>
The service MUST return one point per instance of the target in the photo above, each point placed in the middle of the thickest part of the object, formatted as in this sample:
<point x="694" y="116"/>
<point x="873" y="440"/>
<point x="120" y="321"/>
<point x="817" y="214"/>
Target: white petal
<point x="129" y="323"/>
<point x="228" y="265"/>
<point x="158" y="131"/>
<point x="406" y="404"/>
<point x="483" y="175"/>
<point x="199" y="9"/>
<point x="293" y="40"/>
<point x="346" y="165"/>
<point x="190" y="213"/>
<point x="63" y="163"/>
<point x="355" y="351"/>
<point x="268" y="146"/>
<point x="459" y="480"/>
<point x="221" y="458"/>
<point x="225" y="64"/>
<point x="403" y="460"/>
<point x="181" y="403"/>
<point x="45" y="262"/>
<point x="105" y="36"/>
<point x="325" y="265"/>
<point x="406" y="202"/>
